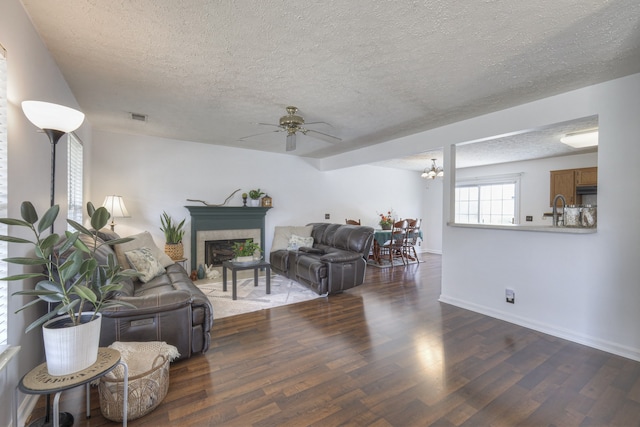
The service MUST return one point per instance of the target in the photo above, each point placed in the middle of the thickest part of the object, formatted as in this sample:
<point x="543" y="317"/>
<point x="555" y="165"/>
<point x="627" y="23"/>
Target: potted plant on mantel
<point x="246" y="252"/>
<point x="255" y="195"/>
<point x="72" y="279"/>
<point x="173" y="234"/>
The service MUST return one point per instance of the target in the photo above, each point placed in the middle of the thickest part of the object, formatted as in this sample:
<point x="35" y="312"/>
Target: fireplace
<point x="216" y="223"/>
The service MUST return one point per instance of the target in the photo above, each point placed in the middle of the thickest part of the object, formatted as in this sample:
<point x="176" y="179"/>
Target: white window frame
<point x="4" y="288"/>
<point x="479" y="209"/>
<point x="75" y="173"/>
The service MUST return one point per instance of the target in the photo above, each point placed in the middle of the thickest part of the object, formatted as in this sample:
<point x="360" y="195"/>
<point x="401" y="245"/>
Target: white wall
<point x="32" y="74"/>
<point x="432" y="215"/>
<point x="580" y="287"/>
<point x="155" y="175"/>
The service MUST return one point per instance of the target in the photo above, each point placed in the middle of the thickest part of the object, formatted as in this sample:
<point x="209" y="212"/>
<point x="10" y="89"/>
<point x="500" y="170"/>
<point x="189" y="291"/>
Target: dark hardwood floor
<point x="388" y="354"/>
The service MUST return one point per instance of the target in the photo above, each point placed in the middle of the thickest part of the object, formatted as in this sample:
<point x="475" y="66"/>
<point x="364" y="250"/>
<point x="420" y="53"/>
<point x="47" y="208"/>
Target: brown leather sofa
<point x="335" y="263"/>
<point x="168" y="308"/>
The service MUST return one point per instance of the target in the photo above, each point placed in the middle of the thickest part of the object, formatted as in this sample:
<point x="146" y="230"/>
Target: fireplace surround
<point x="224" y="222"/>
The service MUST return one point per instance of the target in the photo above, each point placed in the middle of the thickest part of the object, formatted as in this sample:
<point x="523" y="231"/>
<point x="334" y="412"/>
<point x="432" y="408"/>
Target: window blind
<point x="3" y="194"/>
<point x="74" y="179"/>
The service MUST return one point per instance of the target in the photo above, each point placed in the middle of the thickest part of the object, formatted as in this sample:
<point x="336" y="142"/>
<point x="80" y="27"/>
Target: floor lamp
<point x="54" y="120"/>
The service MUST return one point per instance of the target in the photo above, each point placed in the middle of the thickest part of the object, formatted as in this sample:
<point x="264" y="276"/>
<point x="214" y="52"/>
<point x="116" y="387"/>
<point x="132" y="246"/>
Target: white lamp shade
<point x="115" y="206"/>
<point x="46" y="115"/>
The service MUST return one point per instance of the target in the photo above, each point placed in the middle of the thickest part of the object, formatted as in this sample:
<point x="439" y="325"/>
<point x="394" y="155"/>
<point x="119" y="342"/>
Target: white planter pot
<point x="71" y="349"/>
<point x="254" y="202"/>
<point x="246" y="260"/>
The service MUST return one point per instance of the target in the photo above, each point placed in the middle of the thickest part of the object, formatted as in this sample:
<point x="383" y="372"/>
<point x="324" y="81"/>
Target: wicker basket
<point x="146" y="392"/>
<point x="174" y="250"/>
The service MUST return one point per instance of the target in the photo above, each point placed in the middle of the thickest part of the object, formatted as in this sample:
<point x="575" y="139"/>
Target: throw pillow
<point x="141" y="240"/>
<point x="282" y="235"/>
<point x="143" y="261"/>
<point x="296" y="242"/>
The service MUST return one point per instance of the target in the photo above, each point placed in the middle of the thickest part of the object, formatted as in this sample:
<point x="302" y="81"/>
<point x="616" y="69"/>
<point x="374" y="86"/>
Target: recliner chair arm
<point x="149" y="304"/>
<point x="338" y="255"/>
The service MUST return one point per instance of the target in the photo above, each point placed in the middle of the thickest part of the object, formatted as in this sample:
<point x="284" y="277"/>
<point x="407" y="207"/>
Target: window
<point x="3" y="194"/>
<point x="74" y="179"/>
<point x="492" y="200"/>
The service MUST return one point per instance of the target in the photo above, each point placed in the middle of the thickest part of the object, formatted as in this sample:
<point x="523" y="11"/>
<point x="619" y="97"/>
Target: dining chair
<point x="393" y="248"/>
<point x="352" y="221"/>
<point x="411" y="239"/>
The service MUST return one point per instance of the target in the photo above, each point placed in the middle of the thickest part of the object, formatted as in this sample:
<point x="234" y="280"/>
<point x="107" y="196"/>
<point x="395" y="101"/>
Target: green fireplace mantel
<point x="204" y="218"/>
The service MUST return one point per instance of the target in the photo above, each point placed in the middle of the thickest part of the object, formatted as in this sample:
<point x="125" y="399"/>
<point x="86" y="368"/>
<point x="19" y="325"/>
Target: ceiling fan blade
<point x="258" y="134"/>
<point x="330" y="138"/>
<point x="319" y="123"/>
<point x="291" y="142"/>
<point x="268" y="124"/>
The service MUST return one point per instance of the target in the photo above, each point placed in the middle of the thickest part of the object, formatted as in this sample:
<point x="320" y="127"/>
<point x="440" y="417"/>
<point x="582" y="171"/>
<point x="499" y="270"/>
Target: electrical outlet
<point x="529" y="218"/>
<point x="510" y="295"/>
<point x="327" y="216"/>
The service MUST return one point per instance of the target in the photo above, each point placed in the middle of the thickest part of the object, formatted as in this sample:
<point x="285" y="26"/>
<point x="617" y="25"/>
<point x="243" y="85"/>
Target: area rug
<point x="251" y="298"/>
<point x="384" y="263"/>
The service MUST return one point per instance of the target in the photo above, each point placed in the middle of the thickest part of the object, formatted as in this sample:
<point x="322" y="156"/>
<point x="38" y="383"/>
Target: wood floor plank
<point x="387" y="353"/>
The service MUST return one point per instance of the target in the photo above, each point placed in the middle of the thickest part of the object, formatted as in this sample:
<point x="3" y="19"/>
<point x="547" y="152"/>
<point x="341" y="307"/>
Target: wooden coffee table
<point x="236" y="266"/>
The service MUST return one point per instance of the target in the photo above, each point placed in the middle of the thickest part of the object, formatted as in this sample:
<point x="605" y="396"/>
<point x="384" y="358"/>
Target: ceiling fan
<point x="292" y="123"/>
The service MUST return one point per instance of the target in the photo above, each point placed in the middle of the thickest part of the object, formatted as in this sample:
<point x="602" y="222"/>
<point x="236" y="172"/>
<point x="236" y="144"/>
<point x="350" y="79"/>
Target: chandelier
<point x="433" y="172"/>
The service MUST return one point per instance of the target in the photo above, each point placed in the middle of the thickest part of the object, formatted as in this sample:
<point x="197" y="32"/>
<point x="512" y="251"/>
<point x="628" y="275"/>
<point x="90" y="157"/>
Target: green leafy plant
<point x="72" y="276"/>
<point x="246" y="248"/>
<point x="256" y="194"/>
<point x="173" y="232"/>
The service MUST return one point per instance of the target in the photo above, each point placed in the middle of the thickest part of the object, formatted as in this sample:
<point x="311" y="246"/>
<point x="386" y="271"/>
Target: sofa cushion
<point x="143" y="261"/>
<point x="352" y="238"/>
<point x="282" y="234"/>
<point x="141" y="240"/>
<point x="106" y="234"/>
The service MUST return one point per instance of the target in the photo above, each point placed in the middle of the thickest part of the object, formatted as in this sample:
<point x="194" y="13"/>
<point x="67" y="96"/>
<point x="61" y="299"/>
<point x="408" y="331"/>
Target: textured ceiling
<point x="209" y="71"/>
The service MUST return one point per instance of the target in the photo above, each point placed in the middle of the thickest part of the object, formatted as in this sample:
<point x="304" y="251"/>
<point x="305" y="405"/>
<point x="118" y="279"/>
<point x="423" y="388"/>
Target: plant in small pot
<point x="246" y="252"/>
<point x="254" y="196"/>
<point x="173" y="233"/>
<point x="71" y="281"/>
<point x="386" y="220"/>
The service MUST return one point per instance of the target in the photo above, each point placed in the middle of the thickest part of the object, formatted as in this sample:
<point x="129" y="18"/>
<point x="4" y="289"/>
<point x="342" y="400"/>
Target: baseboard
<point x="604" y="345"/>
<point x="431" y="251"/>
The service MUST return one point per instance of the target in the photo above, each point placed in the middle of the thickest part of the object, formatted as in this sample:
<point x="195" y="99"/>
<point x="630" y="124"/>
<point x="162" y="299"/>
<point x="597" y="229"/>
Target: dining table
<point x="380" y="237"/>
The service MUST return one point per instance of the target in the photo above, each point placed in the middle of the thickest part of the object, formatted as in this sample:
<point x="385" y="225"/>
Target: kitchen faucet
<point x="555" y="209"/>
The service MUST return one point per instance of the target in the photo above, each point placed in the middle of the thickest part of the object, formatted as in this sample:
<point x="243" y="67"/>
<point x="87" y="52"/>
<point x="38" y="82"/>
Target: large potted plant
<point x="173" y="233"/>
<point x="71" y="280"/>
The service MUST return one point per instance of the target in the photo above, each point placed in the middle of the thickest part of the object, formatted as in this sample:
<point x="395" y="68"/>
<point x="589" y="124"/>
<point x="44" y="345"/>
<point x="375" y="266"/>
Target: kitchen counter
<point x="519" y="227"/>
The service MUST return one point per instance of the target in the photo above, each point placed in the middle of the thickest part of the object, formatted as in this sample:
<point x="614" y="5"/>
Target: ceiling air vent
<point x="139" y="117"/>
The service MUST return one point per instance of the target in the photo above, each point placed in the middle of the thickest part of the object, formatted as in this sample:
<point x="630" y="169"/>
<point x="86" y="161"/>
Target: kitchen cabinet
<point x="587" y="176"/>
<point x="565" y="182"/>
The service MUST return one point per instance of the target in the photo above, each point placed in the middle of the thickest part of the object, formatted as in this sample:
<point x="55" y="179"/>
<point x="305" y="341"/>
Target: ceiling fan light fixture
<point x="433" y="172"/>
<point x="291" y="141"/>
<point x="582" y="139"/>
